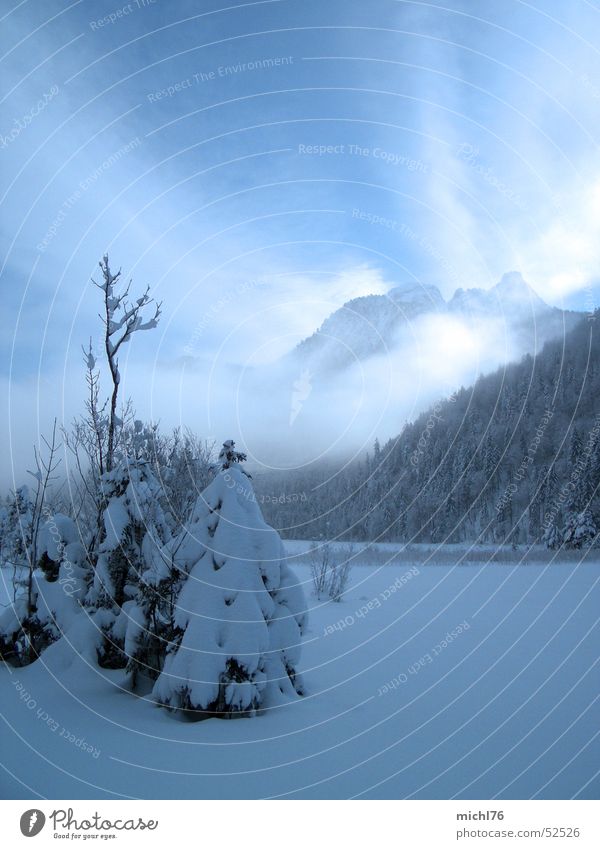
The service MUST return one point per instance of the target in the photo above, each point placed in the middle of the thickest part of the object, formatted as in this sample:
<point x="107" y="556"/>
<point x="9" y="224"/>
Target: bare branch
<point x="121" y="320"/>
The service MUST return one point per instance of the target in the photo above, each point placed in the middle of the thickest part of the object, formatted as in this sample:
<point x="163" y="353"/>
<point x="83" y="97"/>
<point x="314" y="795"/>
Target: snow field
<point x="469" y="682"/>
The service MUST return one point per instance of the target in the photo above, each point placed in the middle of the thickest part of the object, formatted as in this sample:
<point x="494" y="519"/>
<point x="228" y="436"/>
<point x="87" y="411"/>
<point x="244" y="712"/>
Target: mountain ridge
<point x="372" y="324"/>
<point x="493" y="463"/>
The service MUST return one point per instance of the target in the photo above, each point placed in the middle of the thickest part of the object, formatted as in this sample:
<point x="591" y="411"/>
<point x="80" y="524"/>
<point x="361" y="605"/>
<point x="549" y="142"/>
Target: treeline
<point x="513" y="459"/>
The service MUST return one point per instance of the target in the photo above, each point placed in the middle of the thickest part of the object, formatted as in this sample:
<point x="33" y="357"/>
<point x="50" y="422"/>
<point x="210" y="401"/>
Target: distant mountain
<point x="373" y="364"/>
<point x="515" y="458"/>
<point x="376" y="324"/>
<point x="510" y="293"/>
<point x="367" y="325"/>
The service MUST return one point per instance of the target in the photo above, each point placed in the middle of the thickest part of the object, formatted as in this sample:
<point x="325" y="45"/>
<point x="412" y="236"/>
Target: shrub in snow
<point x="149" y="620"/>
<point x="240" y="614"/>
<point x="340" y="575"/>
<point x="42" y="612"/>
<point x="320" y="562"/>
<point x="18" y="528"/>
<point x="330" y="571"/>
<point x="16" y="547"/>
<point x="60" y="583"/>
<point x="134" y="525"/>
<point x="63" y="557"/>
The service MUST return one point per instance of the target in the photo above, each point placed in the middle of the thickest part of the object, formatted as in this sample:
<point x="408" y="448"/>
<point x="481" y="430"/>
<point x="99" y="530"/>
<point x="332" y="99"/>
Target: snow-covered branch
<point x="121" y="318"/>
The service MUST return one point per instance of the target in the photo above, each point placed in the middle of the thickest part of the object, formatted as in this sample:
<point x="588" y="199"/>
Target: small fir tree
<point x="240" y="614"/>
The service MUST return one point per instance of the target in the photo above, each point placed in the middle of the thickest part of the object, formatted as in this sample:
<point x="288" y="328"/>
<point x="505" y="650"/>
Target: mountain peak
<point x="513" y="279"/>
<point x="511" y="291"/>
<point x="375" y="324"/>
<point x="512" y="287"/>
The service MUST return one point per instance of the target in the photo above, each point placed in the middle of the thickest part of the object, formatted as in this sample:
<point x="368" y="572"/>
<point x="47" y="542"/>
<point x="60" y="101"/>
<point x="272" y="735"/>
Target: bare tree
<point x="43" y="475"/>
<point x="93" y="438"/>
<point x="87" y="442"/>
<point x="121" y="318"/>
<point x="96" y="412"/>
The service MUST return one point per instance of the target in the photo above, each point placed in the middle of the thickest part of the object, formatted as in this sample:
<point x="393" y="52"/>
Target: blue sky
<point x="259" y="164"/>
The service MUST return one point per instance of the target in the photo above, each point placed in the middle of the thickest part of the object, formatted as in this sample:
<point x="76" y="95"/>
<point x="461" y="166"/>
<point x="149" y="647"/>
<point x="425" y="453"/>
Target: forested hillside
<point x="513" y="458"/>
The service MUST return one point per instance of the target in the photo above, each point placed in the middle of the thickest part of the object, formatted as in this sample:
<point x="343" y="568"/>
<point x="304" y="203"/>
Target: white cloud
<point x="565" y="257"/>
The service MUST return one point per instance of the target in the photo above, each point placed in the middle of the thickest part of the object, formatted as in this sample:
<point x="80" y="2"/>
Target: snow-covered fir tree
<point x="552" y="536"/>
<point x="240" y="613"/>
<point x="580" y="529"/>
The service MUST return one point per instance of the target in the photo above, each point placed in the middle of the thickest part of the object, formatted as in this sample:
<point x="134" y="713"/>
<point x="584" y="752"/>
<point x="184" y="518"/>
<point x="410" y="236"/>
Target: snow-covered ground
<point x="426" y="681"/>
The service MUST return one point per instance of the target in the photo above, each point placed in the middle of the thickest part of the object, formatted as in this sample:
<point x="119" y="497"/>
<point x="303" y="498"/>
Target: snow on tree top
<point x="228" y="455"/>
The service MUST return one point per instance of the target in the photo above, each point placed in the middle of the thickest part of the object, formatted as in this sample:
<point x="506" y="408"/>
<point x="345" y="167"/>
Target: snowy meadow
<point x="427" y="680"/>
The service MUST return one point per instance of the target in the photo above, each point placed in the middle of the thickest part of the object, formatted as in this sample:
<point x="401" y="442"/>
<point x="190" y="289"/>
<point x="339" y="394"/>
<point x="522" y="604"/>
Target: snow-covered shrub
<point x="18" y="529"/>
<point x="63" y="557"/>
<point x="149" y="619"/>
<point x="17" y="625"/>
<point x="240" y="613"/>
<point x="61" y="581"/>
<point x="340" y="575"/>
<point x="321" y="559"/>
<point x="133" y="526"/>
<point x="330" y="571"/>
<point x="46" y="603"/>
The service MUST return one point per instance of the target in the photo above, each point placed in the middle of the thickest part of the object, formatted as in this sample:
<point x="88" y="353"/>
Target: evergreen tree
<point x="552" y="537"/>
<point x="580" y="529"/>
<point x="575" y="447"/>
<point x="240" y="613"/>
